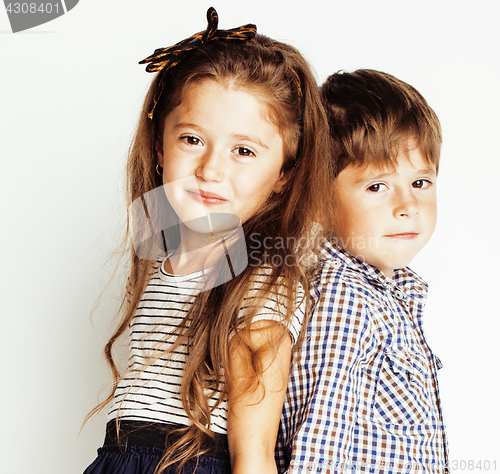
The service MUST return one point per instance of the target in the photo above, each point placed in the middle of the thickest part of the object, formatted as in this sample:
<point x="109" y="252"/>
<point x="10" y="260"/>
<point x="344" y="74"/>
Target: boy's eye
<point x="421" y="183"/>
<point x="190" y="140"/>
<point x="375" y="188"/>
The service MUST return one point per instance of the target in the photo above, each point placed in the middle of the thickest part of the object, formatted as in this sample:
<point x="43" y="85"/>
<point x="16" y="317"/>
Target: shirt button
<point x="399" y="295"/>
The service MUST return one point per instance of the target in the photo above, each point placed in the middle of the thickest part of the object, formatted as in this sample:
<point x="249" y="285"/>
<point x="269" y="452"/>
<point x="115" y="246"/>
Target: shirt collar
<point x="402" y="276"/>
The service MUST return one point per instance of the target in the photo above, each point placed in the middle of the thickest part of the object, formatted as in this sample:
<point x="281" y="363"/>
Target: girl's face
<point x="220" y="153"/>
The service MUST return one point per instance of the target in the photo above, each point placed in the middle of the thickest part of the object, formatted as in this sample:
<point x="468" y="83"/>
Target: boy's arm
<point x="254" y="415"/>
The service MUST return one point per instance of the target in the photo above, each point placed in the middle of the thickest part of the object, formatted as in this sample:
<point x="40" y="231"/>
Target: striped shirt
<point x="151" y="392"/>
<point x="363" y="396"/>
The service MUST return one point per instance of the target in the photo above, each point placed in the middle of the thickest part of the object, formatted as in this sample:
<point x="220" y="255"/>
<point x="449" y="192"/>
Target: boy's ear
<point x="282" y="182"/>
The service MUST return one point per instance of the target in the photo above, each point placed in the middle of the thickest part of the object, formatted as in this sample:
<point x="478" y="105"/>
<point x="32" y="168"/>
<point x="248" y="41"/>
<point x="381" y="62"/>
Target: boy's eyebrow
<point x="428" y="171"/>
<point x="362" y="179"/>
<point x="431" y="171"/>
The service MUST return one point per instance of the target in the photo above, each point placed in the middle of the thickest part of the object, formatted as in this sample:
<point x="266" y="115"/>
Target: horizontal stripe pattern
<point x="151" y="391"/>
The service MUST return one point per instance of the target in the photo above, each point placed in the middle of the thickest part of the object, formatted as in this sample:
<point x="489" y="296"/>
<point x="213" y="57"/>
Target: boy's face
<point x="384" y="216"/>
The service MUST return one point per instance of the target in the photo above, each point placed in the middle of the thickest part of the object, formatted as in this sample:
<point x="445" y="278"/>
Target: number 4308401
<point x="464" y="465"/>
<point x="32" y="8"/>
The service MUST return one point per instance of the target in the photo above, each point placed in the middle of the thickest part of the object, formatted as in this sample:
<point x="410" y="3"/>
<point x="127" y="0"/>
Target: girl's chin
<point x="200" y="225"/>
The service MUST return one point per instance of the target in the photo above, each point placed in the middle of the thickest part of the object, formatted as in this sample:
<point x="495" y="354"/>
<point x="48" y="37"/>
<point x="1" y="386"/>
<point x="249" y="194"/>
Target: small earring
<point x="159" y="170"/>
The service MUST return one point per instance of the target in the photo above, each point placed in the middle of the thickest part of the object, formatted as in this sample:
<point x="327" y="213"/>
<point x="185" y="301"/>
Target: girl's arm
<point x="253" y="420"/>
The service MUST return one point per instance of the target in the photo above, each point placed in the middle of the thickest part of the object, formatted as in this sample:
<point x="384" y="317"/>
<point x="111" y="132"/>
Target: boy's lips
<point x="403" y="235"/>
<point x="206" y="198"/>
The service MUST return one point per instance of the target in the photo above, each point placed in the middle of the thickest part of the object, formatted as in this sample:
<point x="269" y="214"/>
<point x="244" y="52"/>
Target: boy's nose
<point x="211" y="167"/>
<point x="406" y="205"/>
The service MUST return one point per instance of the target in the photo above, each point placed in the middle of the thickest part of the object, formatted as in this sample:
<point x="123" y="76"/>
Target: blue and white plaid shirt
<point x="363" y="395"/>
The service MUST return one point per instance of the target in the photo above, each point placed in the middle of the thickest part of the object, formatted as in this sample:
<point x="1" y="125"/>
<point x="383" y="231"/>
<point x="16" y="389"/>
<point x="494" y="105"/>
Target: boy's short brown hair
<point x="372" y="115"/>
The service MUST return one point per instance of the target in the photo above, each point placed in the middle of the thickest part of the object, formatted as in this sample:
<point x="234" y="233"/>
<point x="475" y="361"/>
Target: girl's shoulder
<point x="263" y="280"/>
<point x="274" y="299"/>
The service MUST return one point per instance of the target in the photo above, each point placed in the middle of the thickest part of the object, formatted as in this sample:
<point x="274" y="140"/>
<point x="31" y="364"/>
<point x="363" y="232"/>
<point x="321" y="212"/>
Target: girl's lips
<point x="405" y="236"/>
<point x="206" y="198"/>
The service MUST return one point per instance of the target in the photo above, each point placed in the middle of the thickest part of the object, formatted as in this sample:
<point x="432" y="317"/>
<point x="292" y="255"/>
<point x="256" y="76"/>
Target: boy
<point x="363" y="396"/>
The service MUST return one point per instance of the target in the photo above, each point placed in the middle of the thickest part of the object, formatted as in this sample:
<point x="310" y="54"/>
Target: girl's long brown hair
<point x="280" y="76"/>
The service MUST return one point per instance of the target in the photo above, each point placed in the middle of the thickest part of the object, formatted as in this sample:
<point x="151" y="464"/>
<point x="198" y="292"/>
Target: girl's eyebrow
<point x="188" y="125"/>
<point x="250" y="139"/>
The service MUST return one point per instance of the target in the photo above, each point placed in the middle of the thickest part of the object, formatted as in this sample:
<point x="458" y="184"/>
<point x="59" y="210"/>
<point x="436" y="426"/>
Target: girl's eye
<point x="190" y="140"/>
<point x="376" y="188"/>
<point x="243" y="151"/>
<point x="421" y="183"/>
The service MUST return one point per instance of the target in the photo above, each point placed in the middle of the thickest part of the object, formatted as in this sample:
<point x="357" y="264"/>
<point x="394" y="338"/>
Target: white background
<point x="70" y="92"/>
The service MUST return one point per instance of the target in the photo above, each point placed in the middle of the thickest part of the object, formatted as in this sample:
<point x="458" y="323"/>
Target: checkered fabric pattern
<point x="363" y="395"/>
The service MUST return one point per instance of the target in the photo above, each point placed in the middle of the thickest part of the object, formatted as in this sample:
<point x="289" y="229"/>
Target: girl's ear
<point x="159" y="152"/>
<point x="282" y="182"/>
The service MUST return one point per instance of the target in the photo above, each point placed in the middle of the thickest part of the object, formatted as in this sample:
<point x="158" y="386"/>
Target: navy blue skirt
<point x="142" y="445"/>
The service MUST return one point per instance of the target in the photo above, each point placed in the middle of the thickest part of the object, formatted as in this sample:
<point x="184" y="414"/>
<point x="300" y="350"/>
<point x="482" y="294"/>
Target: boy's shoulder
<point x="337" y="267"/>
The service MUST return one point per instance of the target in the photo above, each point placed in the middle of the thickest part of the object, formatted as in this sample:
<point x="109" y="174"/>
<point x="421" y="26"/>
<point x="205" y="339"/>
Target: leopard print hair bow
<point x="165" y="58"/>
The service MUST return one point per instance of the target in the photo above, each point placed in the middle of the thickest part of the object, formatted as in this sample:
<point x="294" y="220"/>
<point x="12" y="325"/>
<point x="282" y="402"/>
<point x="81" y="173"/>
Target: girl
<point x="232" y="139"/>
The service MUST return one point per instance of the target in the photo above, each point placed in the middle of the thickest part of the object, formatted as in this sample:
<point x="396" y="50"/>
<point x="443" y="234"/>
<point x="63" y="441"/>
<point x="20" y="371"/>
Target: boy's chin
<point x="388" y="267"/>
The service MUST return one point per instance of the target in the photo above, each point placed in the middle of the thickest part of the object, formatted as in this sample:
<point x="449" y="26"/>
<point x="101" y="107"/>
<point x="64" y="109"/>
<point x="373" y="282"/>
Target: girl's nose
<point x="406" y="205"/>
<point x="211" y="167"/>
